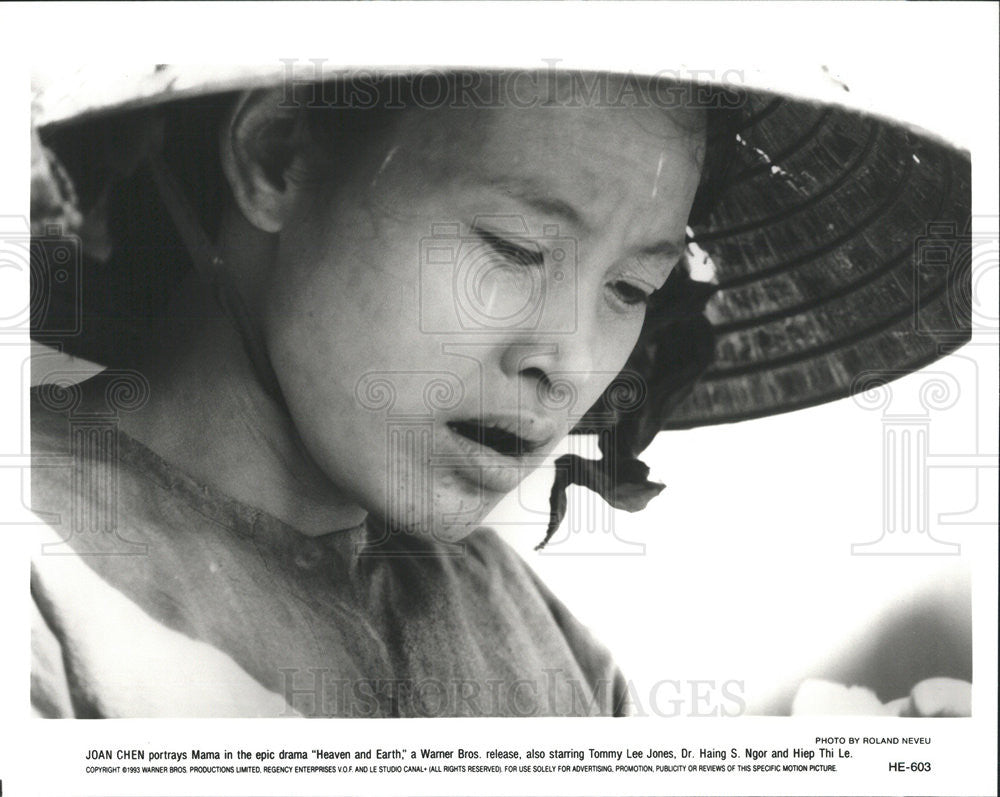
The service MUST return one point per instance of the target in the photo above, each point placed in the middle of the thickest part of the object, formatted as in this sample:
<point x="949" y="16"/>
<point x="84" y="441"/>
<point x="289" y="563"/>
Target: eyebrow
<point x="528" y="192"/>
<point x="671" y="249"/>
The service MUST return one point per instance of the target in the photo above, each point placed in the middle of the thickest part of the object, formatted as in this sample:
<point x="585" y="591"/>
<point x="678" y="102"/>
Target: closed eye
<point x="629" y="294"/>
<point x="515" y="253"/>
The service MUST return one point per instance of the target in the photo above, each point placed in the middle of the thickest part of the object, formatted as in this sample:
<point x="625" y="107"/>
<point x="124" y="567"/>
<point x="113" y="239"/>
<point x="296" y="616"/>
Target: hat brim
<point x="841" y="247"/>
<point x="842" y="253"/>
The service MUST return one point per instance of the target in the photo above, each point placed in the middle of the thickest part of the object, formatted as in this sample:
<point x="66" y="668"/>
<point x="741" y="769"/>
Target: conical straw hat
<point x="839" y="244"/>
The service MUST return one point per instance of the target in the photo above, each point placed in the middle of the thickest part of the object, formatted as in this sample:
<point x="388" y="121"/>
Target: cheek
<point x="321" y="320"/>
<point x="616" y="338"/>
<point x="611" y="349"/>
<point x="344" y="284"/>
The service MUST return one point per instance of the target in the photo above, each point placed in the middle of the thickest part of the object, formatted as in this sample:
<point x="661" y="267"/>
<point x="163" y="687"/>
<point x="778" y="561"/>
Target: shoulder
<point x="49" y="425"/>
<point x="595" y="662"/>
<point x="487" y="546"/>
<point x="491" y="551"/>
<point x="51" y="457"/>
<point x="122" y="662"/>
<point x="80" y="486"/>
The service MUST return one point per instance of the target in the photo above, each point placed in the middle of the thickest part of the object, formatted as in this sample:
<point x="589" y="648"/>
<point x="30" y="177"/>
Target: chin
<point x="445" y="512"/>
<point x="421" y="532"/>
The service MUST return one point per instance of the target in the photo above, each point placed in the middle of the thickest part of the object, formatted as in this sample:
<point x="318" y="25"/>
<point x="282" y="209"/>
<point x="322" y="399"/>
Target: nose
<point x="558" y="369"/>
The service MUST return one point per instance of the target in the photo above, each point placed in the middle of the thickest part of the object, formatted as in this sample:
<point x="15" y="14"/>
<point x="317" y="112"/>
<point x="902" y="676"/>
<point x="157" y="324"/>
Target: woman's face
<point x="442" y="313"/>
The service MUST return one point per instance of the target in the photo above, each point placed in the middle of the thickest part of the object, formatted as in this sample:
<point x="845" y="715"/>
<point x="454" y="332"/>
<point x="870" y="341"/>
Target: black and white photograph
<point x="502" y="388"/>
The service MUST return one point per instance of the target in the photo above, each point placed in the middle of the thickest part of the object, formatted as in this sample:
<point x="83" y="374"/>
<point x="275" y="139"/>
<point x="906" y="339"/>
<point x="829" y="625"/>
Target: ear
<point x="258" y="144"/>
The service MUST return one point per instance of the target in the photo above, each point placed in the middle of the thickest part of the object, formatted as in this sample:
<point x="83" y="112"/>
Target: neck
<point x="235" y="435"/>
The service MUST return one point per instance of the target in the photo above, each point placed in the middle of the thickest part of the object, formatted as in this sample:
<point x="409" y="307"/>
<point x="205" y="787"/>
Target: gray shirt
<point x="156" y="595"/>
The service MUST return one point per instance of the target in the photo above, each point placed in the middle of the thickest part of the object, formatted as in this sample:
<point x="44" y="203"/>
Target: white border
<point x="932" y="64"/>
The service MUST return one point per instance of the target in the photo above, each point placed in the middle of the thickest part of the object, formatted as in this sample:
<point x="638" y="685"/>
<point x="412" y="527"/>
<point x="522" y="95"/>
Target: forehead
<point x="599" y="158"/>
<point x="503" y="139"/>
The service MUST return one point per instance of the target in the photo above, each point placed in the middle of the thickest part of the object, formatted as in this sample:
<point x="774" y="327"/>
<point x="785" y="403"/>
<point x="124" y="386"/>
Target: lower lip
<point x="481" y="466"/>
